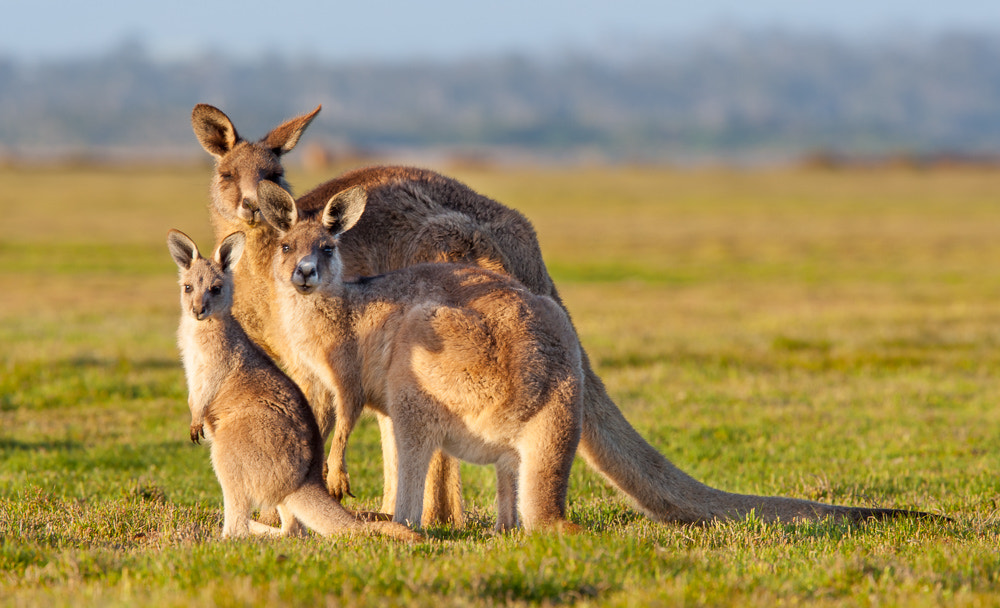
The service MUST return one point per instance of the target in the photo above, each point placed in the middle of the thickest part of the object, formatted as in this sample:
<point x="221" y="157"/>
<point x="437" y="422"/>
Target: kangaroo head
<point x="241" y="164"/>
<point x="206" y="284"/>
<point x="307" y="253"/>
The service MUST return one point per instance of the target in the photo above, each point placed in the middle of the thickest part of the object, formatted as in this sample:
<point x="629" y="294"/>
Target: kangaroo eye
<point x="187" y="289"/>
<point x="328" y="250"/>
<point x="225" y="176"/>
<point x="285" y="248"/>
<point x="216" y="290"/>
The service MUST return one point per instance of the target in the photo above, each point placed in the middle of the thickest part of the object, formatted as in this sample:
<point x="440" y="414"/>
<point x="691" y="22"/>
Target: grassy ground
<point x="833" y="336"/>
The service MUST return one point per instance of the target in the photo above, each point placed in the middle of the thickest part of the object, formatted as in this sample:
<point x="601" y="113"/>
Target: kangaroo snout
<point x="248" y="211"/>
<point x="305" y="277"/>
<point x="202" y="307"/>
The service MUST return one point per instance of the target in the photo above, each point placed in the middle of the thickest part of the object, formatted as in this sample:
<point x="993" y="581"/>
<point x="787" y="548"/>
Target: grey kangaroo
<point x="266" y="446"/>
<point x="460" y="358"/>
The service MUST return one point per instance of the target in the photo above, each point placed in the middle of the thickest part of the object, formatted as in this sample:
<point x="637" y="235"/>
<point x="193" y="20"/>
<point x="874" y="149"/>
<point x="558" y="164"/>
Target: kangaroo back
<point x="414" y="216"/>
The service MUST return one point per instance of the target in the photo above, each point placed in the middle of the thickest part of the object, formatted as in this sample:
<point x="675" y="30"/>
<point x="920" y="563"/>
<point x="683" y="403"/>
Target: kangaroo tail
<point x="314" y="507"/>
<point x="663" y="492"/>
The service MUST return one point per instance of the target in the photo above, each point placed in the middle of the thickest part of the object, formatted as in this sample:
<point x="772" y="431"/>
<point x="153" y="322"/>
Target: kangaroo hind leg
<point x="443" y="492"/>
<point x="547" y="448"/>
<point x="442" y="489"/>
<point x="415" y="447"/>
<point x="237" y="507"/>
<point x="237" y="503"/>
<point x="506" y="494"/>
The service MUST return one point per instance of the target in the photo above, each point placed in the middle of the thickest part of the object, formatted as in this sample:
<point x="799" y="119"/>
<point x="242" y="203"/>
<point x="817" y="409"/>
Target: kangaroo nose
<point x="305" y="276"/>
<point x="200" y="308"/>
<point x="249" y="211"/>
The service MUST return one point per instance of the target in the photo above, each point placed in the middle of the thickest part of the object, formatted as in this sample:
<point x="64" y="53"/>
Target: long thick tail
<point x="314" y="507"/>
<point x="663" y="492"/>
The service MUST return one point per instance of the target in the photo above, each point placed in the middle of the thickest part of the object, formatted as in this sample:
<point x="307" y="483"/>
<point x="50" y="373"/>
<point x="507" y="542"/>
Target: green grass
<point x="826" y="335"/>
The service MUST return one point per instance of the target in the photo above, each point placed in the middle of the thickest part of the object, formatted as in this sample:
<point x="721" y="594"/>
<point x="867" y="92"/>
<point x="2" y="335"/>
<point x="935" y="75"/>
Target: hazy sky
<point x="38" y="29"/>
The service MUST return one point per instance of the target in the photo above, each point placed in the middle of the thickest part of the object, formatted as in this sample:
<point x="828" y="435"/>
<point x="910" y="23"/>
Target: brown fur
<point x="240" y="166"/>
<point x="266" y="447"/>
<point x="415" y="216"/>
<point x="460" y="358"/>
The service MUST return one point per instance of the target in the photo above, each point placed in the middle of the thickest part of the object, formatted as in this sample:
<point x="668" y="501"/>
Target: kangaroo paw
<point x="338" y="484"/>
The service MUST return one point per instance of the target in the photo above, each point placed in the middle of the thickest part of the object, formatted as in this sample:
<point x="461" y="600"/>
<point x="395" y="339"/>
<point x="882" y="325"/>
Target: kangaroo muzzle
<point x="200" y="309"/>
<point x="305" y="277"/>
<point x="249" y="212"/>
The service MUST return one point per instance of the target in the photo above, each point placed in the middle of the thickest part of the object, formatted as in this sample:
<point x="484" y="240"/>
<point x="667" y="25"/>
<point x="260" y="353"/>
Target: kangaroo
<point x="460" y="358"/>
<point x="266" y="447"/>
<point x="240" y="166"/>
<point x="433" y="218"/>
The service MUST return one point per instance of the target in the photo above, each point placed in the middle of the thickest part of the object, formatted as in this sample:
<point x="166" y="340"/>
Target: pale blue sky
<point x="399" y="29"/>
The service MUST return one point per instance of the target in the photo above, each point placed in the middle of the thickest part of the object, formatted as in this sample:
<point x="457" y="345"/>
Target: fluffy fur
<point x="460" y="358"/>
<point x="266" y="447"/>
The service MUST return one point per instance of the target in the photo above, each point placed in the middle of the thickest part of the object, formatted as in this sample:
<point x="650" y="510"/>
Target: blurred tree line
<point x="730" y="91"/>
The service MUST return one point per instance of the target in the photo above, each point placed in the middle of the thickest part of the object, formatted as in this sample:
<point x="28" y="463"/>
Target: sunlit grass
<point x="827" y="335"/>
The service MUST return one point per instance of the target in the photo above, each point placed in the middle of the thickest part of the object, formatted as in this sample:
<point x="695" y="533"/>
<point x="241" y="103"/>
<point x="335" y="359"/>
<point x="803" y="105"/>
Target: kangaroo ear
<point x="182" y="249"/>
<point x="213" y="129"/>
<point x="345" y="209"/>
<point x="283" y="138"/>
<point x="276" y="205"/>
<point x="230" y="250"/>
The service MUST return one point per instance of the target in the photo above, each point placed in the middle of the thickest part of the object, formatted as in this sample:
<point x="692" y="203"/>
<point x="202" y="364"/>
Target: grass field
<point x="826" y="335"/>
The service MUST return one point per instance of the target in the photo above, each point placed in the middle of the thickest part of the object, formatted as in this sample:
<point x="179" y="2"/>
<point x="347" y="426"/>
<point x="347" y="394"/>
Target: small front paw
<point x="338" y="483"/>
<point x="197" y="432"/>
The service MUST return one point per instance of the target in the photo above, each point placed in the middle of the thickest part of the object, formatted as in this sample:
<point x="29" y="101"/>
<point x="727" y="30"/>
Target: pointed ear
<point x="277" y="206"/>
<point x="213" y="129"/>
<point x="344" y="209"/>
<point x="284" y="137"/>
<point x="182" y="249"/>
<point x="230" y="250"/>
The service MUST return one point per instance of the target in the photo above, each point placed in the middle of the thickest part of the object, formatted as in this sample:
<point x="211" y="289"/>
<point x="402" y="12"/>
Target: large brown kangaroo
<point x="461" y="359"/>
<point x="433" y="218"/>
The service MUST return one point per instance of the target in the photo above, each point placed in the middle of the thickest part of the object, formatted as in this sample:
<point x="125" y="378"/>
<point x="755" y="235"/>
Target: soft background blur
<point x="757" y="82"/>
<point x="823" y="326"/>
